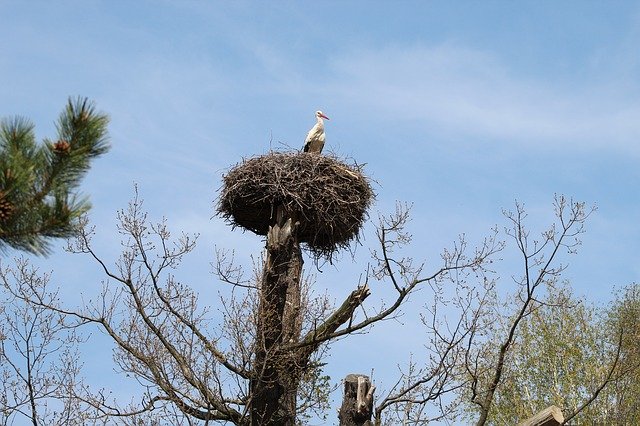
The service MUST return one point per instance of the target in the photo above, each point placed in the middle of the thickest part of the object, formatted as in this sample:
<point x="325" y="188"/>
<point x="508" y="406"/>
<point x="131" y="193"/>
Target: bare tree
<point x="540" y="269"/>
<point x="39" y="363"/>
<point x="487" y="360"/>
<point x="262" y="362"/>
<point x="463" y="284"/>
<point x="464" y="356"/>
<point x="203" y="370"/>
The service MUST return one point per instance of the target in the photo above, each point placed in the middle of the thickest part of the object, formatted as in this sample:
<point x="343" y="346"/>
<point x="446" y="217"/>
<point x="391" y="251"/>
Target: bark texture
<point x="276" y="372"/>
<point x="357" y="403"/>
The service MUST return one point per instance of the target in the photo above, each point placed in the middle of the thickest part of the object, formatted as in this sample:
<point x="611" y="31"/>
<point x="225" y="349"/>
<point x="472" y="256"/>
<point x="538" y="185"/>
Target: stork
<point x="315" y="138"/>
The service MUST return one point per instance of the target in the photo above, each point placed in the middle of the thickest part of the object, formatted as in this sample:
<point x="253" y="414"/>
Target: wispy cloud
<point x="457" y="89"/>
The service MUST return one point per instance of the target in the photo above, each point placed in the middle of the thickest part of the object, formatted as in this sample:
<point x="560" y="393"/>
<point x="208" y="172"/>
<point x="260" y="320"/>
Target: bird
<point x="315" y="138"/>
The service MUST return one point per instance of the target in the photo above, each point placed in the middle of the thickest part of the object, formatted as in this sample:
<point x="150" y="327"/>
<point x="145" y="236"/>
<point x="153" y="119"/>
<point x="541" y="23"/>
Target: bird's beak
<point x="325" y="117"/>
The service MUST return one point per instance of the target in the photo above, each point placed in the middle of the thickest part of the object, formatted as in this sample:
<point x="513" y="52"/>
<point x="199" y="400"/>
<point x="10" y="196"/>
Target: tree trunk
<point x="357" y="403"/>
<point x="276" y="374"/>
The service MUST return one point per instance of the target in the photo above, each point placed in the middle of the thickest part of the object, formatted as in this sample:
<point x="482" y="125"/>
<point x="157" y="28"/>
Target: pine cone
<point x="61" y="147"/>
<point x="6" y="208"/>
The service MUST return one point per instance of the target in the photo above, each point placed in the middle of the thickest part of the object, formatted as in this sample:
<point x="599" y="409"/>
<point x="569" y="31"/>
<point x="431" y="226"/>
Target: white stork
<point x="315" y="138"/>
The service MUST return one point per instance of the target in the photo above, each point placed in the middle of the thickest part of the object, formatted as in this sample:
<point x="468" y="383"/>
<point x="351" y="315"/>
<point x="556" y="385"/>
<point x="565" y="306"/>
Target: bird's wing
<point x="311" y="135"/>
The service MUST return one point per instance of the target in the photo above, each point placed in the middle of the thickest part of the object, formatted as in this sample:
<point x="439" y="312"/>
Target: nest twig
<point x="328" y="198"/>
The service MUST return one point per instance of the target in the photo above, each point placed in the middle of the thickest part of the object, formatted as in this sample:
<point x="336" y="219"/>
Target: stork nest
<point x="328" y="198"/>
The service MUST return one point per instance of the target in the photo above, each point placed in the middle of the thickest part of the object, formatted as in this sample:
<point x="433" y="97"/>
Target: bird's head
<point x="320" y="114"/>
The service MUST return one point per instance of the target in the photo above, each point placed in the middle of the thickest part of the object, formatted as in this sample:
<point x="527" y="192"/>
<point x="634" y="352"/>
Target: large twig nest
<point x="327" y="197"/>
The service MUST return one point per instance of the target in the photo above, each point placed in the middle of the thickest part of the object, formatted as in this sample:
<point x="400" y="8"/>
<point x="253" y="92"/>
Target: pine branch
<point x="38" y="182"/>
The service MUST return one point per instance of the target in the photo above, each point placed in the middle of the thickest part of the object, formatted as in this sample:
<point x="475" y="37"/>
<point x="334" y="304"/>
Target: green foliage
<point x="314" y="391"/>
<point x="552" y="360"/>
<point x="39" y="182"/>
<point x="564" y="351"/>
<point x="621" y="399"/>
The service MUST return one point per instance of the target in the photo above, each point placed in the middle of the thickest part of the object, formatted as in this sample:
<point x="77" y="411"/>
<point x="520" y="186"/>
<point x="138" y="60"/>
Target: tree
<point x="477" y="356"/>
<point x="541" y="270"/>
<point x="39" y="201"/>
<point x="526" y="360"/>
<point x="556" y="359"/>
<point x="38" y="182"/>
<point x="567" y="351"/>
<point x="39" y="367"/>
<point x="262" y="363"/>
<point x="620" y="401"/>
<point x="212" y="372"/>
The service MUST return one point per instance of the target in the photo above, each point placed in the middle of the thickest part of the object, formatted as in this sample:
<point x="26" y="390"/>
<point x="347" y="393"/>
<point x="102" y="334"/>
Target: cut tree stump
<point x="550" y="416"/>
<point x="357" y="403"/>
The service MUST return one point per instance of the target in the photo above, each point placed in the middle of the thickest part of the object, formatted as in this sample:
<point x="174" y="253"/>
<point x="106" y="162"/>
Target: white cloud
<point x="452" y="88"/>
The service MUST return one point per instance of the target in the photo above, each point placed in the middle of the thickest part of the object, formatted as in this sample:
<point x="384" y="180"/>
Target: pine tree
<point x="39" y="197"/>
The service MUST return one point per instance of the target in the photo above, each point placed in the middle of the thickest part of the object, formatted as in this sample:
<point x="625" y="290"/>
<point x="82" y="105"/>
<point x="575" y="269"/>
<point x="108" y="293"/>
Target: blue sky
<point x="457" y="107"/>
